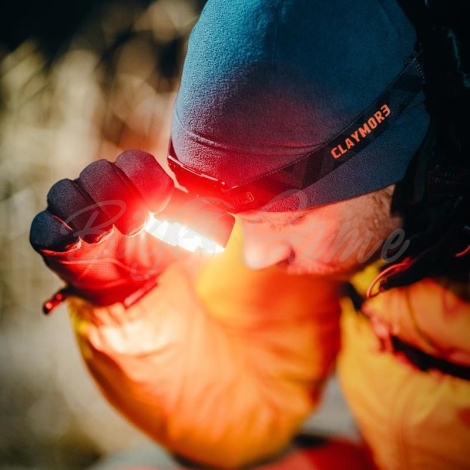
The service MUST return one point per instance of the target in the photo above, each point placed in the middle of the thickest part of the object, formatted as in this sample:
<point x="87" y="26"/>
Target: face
<point x="334" y="240"/>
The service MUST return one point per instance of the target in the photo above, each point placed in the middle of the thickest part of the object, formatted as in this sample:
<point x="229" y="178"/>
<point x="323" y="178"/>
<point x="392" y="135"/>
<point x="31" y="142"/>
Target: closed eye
<point x="278" y="226"/>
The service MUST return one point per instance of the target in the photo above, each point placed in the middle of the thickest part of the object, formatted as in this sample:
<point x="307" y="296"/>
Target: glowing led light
<point x="176" y="234"/>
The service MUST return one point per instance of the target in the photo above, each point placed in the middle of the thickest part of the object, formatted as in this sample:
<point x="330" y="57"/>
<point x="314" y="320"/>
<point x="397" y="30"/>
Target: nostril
<point x="292" y="256"/>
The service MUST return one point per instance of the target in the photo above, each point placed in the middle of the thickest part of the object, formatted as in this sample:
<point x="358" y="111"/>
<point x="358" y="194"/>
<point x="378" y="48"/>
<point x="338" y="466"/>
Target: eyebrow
<point x="270" y="217"/>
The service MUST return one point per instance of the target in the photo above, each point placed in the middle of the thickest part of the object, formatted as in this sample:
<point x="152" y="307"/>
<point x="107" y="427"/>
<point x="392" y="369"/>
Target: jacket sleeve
<point x="221" y="365"/>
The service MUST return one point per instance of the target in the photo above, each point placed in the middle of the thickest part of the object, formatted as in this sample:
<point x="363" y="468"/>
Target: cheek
<point x="313" y="236"/>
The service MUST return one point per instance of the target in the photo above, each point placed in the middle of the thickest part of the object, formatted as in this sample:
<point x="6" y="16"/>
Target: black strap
<point x="357" y="299"/>
<point x="362" y="131"/>
<point x="426" y="362"/>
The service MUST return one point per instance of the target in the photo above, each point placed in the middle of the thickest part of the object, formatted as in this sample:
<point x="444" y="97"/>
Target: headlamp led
<point x="192" y="223"/>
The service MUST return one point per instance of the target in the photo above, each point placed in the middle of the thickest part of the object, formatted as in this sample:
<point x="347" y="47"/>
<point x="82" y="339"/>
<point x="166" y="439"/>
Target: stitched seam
<point x="211" y="144"/>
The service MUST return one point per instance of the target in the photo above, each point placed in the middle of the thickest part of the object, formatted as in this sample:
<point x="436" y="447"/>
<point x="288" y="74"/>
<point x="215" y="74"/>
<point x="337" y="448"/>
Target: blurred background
<point x="79" y="80"/>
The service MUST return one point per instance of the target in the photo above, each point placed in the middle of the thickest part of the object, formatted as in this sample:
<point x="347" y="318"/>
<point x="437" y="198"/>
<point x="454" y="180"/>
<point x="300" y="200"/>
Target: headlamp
<point x="247" y="196"/>
<point x="192" y="223"/>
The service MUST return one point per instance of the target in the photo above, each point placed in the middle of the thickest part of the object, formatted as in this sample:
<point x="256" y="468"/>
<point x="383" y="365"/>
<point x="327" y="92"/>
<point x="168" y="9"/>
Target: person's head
<point x="309" y="112"/>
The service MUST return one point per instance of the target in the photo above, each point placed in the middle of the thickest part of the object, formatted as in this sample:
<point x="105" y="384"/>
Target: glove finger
<point x="68" y="202"/>
<point x="151" y="181"/>
<point x="116" y="197"/>
<point x="48" y="232"/>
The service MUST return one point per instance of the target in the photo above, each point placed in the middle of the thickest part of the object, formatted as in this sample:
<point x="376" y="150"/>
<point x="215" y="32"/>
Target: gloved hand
<point x="91" y="234"/>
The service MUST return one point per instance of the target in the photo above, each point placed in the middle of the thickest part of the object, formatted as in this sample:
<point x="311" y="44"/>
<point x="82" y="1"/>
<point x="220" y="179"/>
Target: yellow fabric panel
<point x="218" y="363"/>
<point x="363" y="279"/>
<point x="411" y="420"/>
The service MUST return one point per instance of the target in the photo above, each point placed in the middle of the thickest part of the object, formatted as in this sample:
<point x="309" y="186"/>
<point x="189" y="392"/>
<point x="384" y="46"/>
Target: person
<point x="305" y="119"/>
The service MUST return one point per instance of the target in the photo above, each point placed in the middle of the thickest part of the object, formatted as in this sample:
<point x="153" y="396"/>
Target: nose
<point x="262" y="253"/>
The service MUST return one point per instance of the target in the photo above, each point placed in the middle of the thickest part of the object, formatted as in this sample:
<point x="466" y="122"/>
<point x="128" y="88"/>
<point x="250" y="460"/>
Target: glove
<point x="91" y="234"/>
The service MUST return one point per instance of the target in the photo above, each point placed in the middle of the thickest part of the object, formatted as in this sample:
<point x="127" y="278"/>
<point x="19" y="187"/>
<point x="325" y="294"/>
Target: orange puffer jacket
<point x="219" y="364"/>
